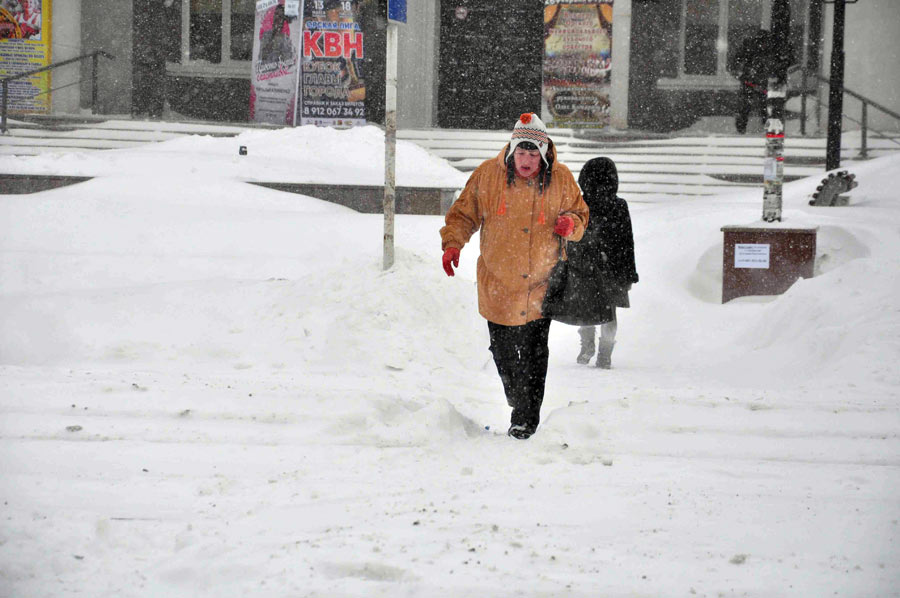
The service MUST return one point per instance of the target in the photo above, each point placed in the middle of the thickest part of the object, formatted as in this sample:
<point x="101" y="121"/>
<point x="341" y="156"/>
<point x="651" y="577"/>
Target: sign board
<point x="275" y="62"/>
<point x="751" y="255"/>
<point x="332" y="83"/>
<point x="25" y="46"/>
<point x="762" y="260"/>
<point x="397" y="11"/>
<point x="577" y="64"/>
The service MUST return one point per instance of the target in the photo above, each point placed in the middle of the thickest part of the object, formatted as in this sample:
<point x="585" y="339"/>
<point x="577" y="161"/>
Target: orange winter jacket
<point x="518" y="245"/>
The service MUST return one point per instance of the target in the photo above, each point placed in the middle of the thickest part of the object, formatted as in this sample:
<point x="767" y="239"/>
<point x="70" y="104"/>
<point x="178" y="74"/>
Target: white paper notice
<point x="751" y="255"/>
<point x="769" y="170"/>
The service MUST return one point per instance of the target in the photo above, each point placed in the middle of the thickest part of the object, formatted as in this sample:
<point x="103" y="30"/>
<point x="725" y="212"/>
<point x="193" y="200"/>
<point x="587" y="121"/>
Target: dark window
<point x="206" y="30"/>
<point x="744" y="18"/>
<point x="701" y="32"/>
<point x="242" y="22"/>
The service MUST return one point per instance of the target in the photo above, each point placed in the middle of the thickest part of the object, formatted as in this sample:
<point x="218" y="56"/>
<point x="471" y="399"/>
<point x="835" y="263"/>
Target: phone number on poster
<point x="345" y="111"/>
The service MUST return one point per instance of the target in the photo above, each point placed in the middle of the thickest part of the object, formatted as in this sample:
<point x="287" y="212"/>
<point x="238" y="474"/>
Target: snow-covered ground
<point x="209" y="388"/>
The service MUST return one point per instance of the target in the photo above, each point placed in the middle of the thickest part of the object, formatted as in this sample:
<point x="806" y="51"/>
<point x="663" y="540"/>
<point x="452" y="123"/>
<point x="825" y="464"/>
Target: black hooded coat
<point x="605" y="255"/>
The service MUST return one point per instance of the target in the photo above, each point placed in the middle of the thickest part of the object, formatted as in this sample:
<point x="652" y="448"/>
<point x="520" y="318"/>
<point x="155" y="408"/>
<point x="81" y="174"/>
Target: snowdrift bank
<point x="213" y="389"/>
<point x="291" y="155"/>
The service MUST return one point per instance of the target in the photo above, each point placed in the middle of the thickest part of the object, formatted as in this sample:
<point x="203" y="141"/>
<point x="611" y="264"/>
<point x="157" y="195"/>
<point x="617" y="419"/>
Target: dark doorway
<point x="490" y="62"/>
<point x="155" y="37"/>
<point x="655" y="35"/>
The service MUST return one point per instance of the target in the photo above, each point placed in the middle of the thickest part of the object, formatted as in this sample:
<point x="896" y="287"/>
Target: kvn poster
<point x="332" y="86"/>
<point x="25" y="46"/>
<point x="577" y="64"/>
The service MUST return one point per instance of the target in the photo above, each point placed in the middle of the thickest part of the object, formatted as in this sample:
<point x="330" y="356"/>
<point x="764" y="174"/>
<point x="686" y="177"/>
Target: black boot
<point x="604" y="354"/>
<point x="521" y="432"/>
<point x="587" y="334"/>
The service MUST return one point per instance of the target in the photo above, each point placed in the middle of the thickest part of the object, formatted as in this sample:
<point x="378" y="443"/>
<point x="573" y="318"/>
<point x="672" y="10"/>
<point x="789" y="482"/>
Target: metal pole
<point x="390" y="141"/>
<point x="864" y="147"/>
<point x="804" y="78"/>
<point x="3" y="109"/>
<point x="804" y="83"/>
<point x="773" y="172"/>
<point x="95" y="60"/>
<point x="776" y="96"/>
<point x="814" y="56"/>
<point x="836" y="89"/>
<point x="818" y="108"/>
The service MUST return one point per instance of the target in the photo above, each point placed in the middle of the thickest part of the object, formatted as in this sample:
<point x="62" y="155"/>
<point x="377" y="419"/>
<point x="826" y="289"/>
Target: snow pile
<point x="291" y="155"/>
<point x="210" y="388"/>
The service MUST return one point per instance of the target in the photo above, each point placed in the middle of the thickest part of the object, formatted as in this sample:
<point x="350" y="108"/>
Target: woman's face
<point x="527" y="162"/>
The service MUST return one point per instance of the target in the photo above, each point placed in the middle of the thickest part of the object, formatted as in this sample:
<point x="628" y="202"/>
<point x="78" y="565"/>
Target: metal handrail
<point x="94" y="56"/>
<point x="864" y="122"/>
<point x="862" y="98"/>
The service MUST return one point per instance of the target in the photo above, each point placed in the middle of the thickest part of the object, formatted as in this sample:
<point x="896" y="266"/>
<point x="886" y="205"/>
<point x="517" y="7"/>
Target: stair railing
<point x="95" y="60"/>
<point x="864" y="116"/>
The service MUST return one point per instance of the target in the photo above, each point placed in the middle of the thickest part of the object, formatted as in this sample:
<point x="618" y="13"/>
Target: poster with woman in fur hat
<point x="273" y="84"/>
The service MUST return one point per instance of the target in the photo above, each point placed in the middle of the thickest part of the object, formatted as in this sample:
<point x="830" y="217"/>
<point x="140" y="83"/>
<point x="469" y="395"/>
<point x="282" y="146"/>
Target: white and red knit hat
<point x="530" y="128"/>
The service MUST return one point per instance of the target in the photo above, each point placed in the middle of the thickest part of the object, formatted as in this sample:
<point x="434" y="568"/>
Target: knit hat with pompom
<point x="529" y="128"/>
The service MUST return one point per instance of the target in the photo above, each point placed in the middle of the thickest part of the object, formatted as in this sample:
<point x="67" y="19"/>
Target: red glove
<point x="451" y="254"/>
<point x="564" y="226"/>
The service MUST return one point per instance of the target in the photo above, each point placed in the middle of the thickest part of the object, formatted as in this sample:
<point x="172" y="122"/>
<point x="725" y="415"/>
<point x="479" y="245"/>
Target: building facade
<point x="476" y="63"/>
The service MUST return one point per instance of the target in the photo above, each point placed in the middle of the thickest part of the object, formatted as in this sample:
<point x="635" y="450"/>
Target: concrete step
<point x="61" y="134"/>
<point x="694" y="165"/>
<point x="649" y="164"/>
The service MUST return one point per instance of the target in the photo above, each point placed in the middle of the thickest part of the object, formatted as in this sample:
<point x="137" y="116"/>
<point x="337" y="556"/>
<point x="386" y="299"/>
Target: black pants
<point x="521" y="355"/>
<point x="751" y="99"/>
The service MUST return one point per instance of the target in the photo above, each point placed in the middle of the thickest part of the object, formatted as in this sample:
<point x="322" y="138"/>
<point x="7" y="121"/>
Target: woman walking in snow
<point x="523" y="201"/>
<point x="605" y="252"/>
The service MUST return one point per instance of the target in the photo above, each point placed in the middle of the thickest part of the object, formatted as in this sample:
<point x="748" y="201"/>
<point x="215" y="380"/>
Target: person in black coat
<point x="753" y="65"/>
<point x="606" y="252"/>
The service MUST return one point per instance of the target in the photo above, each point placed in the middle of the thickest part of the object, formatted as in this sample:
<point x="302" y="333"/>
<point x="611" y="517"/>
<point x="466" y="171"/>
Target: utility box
<point x="764" y="260"/>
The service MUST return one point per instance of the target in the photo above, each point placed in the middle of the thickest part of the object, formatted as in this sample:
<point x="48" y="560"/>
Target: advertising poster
<point x="276" y="62"/>
<point x="332" y="87"/>
<point x="577" y="62"/>
<point x="25" y="46"/>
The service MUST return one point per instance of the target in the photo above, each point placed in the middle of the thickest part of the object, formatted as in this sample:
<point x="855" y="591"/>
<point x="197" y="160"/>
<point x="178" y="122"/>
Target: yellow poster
<point x="577" y="67"/>
<point x="25" y="46"/>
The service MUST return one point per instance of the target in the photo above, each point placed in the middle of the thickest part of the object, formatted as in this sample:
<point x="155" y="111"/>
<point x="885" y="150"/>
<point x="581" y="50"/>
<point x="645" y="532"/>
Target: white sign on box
<point x="751" y="255"/>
